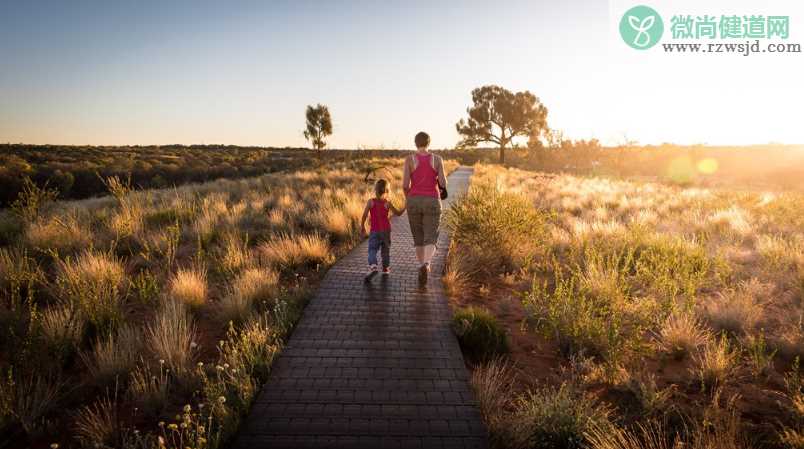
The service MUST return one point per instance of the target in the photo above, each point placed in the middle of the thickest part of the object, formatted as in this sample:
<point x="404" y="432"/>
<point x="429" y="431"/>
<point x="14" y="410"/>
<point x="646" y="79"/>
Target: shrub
<point x="189" y="286"/>
<point x="551" y="418"/>
<point x="498" y="230"/>
<point x="479" y="333"/>
<point x="583" y="322"/>
<point x="760" y="357"/>
<point x="32" y="200"/>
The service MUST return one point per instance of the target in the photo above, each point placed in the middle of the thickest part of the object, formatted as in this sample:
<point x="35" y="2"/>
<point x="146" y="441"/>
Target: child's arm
<point x="365" y="215"/>
<point x="396" y="211"/>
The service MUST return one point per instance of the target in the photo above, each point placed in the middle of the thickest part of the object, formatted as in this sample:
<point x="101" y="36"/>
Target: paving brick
<point x="374" y="365"/>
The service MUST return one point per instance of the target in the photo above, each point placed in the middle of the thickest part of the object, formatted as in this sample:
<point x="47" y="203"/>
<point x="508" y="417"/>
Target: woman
<point x="423" y="174"/>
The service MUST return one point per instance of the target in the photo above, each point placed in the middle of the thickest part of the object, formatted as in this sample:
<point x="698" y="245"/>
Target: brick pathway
<point x="372" y="366"/>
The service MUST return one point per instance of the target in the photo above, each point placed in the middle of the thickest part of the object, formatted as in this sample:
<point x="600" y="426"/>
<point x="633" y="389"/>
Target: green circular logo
<point x="641" y="27"/>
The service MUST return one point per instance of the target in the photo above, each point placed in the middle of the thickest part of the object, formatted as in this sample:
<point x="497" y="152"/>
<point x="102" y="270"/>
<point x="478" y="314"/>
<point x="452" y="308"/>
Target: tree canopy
<point x="498" y="115"/>
<point x="319" y="125"/>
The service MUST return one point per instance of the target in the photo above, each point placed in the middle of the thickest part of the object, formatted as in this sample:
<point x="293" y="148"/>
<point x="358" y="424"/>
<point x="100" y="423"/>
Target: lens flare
<point x="707" y="166"/>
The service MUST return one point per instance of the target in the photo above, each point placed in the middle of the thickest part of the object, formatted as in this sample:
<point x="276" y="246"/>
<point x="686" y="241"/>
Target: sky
<point x="243" y="72"/>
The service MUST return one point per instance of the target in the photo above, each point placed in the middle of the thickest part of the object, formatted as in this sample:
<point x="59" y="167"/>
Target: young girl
<point x="379" y="209"/>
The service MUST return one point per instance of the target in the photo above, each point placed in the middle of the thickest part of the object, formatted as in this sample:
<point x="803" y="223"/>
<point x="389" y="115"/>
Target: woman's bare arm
<point x="442" y="178"/>
<point x="406" y="176"/>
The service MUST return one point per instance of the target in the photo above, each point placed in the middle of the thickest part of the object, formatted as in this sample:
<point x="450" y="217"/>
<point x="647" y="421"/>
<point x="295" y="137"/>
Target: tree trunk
<point x="502" y="146"/>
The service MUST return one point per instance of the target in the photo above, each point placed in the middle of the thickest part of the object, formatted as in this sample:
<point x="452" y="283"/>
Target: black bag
<point x="442" y="191"/>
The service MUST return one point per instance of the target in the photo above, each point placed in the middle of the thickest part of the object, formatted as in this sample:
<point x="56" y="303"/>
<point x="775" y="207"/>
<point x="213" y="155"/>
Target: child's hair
<point x="422" y="139"/>
<point x="381" y="187"/>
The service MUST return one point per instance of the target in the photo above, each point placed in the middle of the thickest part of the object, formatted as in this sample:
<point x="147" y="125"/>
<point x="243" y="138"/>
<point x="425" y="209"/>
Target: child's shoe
<point x="373" y="270"/>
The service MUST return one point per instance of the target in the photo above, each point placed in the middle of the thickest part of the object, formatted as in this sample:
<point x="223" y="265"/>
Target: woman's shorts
<point x="424" y="215"/>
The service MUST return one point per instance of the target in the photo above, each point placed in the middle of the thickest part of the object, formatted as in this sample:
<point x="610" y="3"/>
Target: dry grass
<point x="92" y="283"/>
<point x="293" y="251"/>
<point x="30" y="397"/>
<point x="114" y="356"/>
<point x="150" y="388"/>
<point x="234" y="255"/>
<point x="172" y="337"/>
<point x="715" y="364"/>
<point x="97" y="425"/>
<point x="737" y="311"/>
<point x="624" y="268"/>
<point x="97" y="268"/>
<point x="492" y="383"/>
<point x="682" y="334"/>
<point x="189" y="286"/>
<point x="252" y="286"/>
<point x="62" y="327"/>
<point x="63" y="234"/>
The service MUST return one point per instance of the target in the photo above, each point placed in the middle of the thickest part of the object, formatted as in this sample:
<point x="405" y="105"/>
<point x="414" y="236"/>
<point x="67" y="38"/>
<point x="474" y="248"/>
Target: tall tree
<point x="498" y="115"/>
<point x="319" y="125"/>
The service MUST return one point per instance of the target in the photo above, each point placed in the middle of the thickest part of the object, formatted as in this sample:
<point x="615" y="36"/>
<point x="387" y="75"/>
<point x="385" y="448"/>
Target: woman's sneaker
<point x="423" y="271"/>
<point x="373" y="270"/>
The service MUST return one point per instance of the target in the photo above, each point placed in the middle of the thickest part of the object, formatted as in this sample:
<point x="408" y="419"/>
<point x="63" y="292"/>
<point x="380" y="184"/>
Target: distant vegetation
<point x="79" y="172"/>
<point x="751" y="167"/>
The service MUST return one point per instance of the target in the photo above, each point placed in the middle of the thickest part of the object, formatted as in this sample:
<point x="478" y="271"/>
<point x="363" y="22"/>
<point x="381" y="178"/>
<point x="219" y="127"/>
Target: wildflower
<point x="187" y="408"/>
<point x="161" y="361"/>
<point x="54" y="446"/>
<point x="172" y="426"/>
<point x="161" y="424"/>
<point x="161" y="441"/>
<point x="226" y="365"/>
<point x="221" y="399"/>
<point x="200" y="364"/>
<point x="200" y="429"/>
<point x="219" y="368"/>
<point x="193" y="345"/>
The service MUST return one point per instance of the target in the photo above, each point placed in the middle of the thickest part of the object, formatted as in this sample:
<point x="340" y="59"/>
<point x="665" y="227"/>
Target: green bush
<point x="499" y="230"/>
<point x="480" y="335"/>
<point x="555" y="418"/>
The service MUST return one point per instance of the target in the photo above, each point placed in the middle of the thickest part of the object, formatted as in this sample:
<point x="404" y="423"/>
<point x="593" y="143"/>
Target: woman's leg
<point x="431" y="218"/>
<point x="416" y="220"/>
